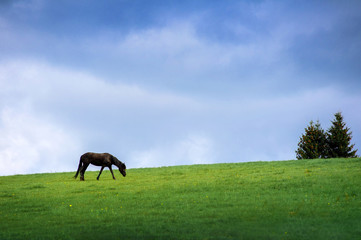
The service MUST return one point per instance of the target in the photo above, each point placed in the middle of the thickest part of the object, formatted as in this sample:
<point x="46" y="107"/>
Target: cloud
<point x="50" y="86"/>
<point x="176" y="57"/>
<point x="29" y="144"/>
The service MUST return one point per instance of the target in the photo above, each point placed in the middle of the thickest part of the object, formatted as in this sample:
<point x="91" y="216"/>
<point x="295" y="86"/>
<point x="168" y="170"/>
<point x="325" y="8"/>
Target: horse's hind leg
<point x="101" y="170"/>
<point x="82" y="171"/>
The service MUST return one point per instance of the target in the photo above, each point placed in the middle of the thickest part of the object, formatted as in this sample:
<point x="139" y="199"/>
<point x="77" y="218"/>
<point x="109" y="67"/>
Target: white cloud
<point x="44" y="84"/>
<point x="29" y="144"/>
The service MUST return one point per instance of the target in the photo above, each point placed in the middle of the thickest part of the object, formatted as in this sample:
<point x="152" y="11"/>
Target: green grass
<point x="305" y="199"/>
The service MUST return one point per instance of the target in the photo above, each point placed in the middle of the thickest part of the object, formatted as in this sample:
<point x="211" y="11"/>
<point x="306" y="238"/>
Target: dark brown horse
<point x="99" y="159"/>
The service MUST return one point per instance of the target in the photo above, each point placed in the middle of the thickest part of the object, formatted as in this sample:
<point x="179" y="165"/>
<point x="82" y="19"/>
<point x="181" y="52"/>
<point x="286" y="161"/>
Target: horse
<point x="99" y="159"/>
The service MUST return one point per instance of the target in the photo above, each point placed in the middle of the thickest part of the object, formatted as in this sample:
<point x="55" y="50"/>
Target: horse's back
<point x="98" y="159"/>
<point x="96" y="155"/>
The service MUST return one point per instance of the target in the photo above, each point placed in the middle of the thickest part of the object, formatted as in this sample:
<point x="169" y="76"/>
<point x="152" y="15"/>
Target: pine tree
<point x="339" y="139"/>
<point x="313" y="143"/>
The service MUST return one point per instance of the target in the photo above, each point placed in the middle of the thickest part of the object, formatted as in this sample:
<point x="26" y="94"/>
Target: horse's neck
<point x="117" y="162"/>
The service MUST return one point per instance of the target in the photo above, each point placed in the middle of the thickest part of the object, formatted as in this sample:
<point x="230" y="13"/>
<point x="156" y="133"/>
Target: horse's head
<point x="122" y="169"/>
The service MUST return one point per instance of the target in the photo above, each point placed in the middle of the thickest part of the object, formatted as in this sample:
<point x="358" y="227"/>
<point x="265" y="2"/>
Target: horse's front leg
<point x="101" y="170"/>
<point x="110" y="168"/>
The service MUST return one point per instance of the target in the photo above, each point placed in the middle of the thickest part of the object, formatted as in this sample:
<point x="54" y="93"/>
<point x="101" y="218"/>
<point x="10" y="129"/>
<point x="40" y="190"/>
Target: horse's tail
<point x="80" y="164"/>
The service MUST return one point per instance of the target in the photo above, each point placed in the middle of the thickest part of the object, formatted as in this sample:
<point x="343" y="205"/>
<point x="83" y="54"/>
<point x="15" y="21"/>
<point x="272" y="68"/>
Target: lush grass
<point x="305" y="199"/>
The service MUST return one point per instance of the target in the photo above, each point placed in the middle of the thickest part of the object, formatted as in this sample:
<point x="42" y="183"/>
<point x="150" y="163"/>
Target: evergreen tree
<point x="313" y="143"/>
<point x="339" y="139"/>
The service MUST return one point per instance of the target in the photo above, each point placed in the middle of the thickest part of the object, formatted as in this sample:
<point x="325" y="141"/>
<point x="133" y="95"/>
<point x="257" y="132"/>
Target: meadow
<point x="304" y="199"/>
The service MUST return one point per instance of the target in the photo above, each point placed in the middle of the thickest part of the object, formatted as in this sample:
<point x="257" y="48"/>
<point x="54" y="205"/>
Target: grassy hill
<point x="305" y="199"/>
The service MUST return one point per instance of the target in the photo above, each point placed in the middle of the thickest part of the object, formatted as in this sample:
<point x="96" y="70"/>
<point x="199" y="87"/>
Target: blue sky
<point x="159" y="83"/>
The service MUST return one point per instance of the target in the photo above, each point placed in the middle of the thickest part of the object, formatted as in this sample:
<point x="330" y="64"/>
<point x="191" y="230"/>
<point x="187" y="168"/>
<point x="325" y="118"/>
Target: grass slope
<point x="305" y="199"/>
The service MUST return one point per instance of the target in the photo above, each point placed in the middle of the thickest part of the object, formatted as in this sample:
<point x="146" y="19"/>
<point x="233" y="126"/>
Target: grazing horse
<point x="99" y="159"/>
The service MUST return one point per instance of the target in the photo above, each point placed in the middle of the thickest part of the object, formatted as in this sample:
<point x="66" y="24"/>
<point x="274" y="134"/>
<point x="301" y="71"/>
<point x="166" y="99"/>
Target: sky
<point x="163" y="83"/>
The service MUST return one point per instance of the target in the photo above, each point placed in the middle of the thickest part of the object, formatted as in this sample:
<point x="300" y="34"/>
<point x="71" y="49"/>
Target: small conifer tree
<point x="313" y="143"/>
<point x="339" y="139"/>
